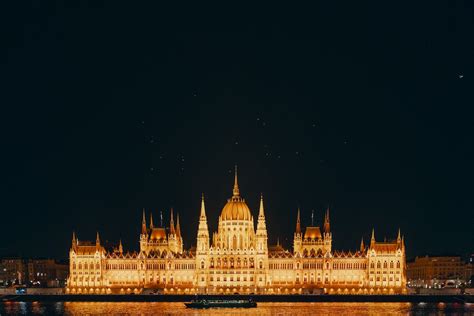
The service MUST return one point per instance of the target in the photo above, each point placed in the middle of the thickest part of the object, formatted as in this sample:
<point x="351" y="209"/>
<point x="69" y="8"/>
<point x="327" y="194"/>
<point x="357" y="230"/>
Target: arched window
<point x="385" y="265"/>
<point x="398" y="264"/>
<point x="372" y="265"/>
<point x="260" y="265"/>
<point x="202" y="264"/>
<point x="234" y="242"/>
<point x="391" y="264"/>
<point x="379" y="265"/>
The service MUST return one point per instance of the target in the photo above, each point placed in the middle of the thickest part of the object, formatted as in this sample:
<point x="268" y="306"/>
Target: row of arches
<point x="85" y="265"/>
<point x="231" y="263"/>
<point x="385" y="265"/>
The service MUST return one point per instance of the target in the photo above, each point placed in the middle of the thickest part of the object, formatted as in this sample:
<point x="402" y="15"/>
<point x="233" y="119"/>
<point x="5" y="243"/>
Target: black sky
<point x="107" y="108"/>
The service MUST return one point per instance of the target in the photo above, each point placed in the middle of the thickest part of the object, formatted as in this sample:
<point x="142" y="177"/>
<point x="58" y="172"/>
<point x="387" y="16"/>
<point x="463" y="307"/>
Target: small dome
<point x="236" y="209"/>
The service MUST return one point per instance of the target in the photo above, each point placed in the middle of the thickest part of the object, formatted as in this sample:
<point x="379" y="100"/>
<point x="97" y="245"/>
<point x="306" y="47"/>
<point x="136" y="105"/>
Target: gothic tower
<point x="202" y="248"/>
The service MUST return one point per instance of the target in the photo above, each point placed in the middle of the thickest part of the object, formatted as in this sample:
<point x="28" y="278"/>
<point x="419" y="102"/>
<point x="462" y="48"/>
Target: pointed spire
<point x="298" y="222"/>
<point x="372" y="239"/>
<point x="73" y="238"/>
<point x="278" y="241"/>
<point x="327" y="225"/>
<point x="97" y="239"/>
<point x="398" y="237"/>
<point x="143" y="223"/>
<point x="178" y="228"/>
<point x="312" y="218"/>
<point x="203" y="208"/>
<point x="120" y="248"/>
<point x="161" y="218"/>
<point x="151" y="221"/>
<point x="261" y="212"/>
<point x="172" y="231"/>
<point x="362" y="246"/>
<point x="235" y="191"/>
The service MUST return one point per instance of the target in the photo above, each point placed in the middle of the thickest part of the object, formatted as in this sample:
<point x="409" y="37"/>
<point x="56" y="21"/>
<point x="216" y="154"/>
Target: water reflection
<point x="101" y="308"/>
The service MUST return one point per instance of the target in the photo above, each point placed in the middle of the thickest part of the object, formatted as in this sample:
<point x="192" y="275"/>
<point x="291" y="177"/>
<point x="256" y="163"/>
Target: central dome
<point x="236" y="208"/>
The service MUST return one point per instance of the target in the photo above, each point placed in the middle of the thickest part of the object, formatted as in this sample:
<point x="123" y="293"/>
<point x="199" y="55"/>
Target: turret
<point x="179" y="239"/>
<point x="172" y="230"/>
<point x="399" y="239"/>
<point x="372" y="239"/>
<point x="327" y="225"/>
<point x="362" y="246"/>
<point x="327" y="232"/>
<point x="178" y="228"/>
<point x="298" y="237"/>
<point x="120" y="247"/>
<point x="144" y="223"/>
<point x="202" y="249"/>
<point x="74" y="241"/>
<point x="261" y="229"/>
<point x="144" y="234"/>
<point x="151" y="221"/>
<point x="97" y="240"/>
<point x="203" y="230"/>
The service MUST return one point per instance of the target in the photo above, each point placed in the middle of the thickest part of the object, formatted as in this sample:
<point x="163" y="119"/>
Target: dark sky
<point x="107" y="108"/>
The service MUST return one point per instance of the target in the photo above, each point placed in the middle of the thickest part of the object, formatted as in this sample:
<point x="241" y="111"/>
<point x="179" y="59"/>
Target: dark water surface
<point x="145" y="308"/>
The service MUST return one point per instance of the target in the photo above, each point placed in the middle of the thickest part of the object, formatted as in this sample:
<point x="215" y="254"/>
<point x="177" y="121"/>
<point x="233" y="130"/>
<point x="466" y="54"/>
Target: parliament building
<point x="237" y="259"/>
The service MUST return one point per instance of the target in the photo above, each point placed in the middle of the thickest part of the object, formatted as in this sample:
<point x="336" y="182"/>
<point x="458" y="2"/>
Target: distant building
<point x="237" y="258"/>
<point x="33" y="272"/>
<point x="438" y="272"/>
<point x="13" y="271"/>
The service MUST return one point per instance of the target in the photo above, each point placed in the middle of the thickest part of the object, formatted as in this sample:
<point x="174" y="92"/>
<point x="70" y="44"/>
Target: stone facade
<point x="237" y="259"/>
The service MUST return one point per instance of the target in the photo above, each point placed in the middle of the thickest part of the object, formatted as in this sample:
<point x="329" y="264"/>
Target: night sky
<point x="108" y="108"/>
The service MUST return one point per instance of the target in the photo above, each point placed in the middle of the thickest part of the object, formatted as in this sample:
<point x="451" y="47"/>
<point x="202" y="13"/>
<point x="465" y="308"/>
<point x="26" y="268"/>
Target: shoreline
<point x="258" y="298"/>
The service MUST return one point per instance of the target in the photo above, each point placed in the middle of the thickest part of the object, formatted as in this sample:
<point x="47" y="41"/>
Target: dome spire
<point x="235" y="191"/>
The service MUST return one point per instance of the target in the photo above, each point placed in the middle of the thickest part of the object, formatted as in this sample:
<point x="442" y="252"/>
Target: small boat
<point x="210" y="303"/>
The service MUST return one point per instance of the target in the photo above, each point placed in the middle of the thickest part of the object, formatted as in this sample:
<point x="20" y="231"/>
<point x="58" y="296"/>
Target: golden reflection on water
<point x="160" y="308"/>
<point x="75" y="308"/>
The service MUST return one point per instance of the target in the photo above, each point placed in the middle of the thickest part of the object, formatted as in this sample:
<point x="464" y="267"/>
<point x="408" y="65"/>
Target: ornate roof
<point x="312" y="233"/>
<point x="385" y="247"/>
<point x="157" y="233"/>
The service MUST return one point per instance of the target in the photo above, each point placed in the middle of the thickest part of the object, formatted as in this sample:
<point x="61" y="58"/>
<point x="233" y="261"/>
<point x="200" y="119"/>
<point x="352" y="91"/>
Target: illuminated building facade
<point x="237" y="258"/>
<point x="438" y="272"/>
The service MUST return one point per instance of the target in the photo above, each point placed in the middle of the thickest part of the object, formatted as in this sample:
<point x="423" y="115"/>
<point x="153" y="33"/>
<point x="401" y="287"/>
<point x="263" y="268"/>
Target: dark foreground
<point x="258" y="298"/>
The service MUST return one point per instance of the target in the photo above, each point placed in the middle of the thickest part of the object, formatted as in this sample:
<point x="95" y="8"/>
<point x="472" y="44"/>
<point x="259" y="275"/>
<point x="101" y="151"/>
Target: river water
<point x="145" y="308"/>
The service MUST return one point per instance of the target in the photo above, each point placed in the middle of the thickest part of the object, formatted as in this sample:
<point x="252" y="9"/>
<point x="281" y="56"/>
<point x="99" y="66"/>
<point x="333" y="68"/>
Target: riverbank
<point x="257" y="298"/>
